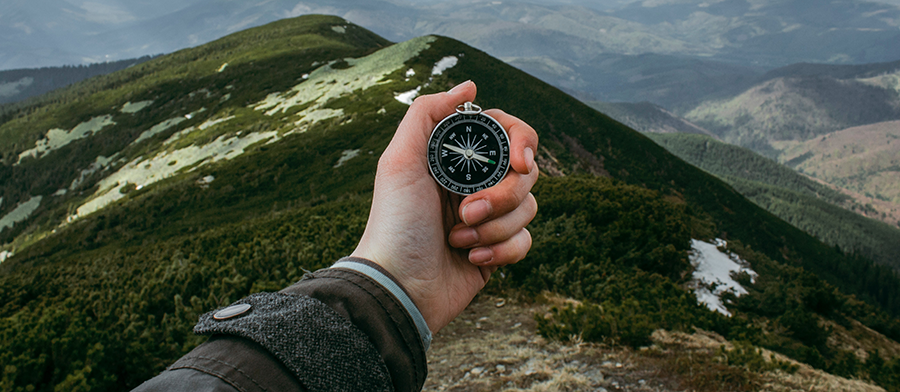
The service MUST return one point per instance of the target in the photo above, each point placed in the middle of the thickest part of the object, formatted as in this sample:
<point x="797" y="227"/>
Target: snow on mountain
<point x="713" y="272"/>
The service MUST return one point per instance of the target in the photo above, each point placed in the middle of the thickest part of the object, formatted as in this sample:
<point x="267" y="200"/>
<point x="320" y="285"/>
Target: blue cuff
<point x="393" y="288"/>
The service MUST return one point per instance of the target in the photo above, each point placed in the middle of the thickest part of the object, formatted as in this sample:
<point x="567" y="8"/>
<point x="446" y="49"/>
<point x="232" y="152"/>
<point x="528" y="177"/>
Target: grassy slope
<point x="256" y="68"/>
<point x="135" y="275"/>
<point x="807" y="204"/>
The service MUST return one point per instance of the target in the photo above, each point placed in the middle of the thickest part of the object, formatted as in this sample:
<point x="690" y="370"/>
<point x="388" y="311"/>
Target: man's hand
<point x="443" y="250"/>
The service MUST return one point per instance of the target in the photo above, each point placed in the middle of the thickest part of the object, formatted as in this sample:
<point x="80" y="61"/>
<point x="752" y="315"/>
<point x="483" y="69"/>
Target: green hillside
<point x="135" y="201"/>
<point x="806" y="204"/>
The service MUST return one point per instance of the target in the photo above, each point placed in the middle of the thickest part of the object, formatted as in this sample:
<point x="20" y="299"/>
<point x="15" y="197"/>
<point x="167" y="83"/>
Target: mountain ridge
<point x="309" y="104"/>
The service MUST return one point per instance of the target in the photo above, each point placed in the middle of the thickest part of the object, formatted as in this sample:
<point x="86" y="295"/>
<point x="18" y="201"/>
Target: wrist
<point x="394" y="286"/>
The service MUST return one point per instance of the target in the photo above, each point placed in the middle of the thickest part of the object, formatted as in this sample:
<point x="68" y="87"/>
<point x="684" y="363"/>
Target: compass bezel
<point x="484" y="121"/>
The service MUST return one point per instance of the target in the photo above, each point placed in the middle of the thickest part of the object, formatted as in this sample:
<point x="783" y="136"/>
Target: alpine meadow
<point x="133" y="202"/>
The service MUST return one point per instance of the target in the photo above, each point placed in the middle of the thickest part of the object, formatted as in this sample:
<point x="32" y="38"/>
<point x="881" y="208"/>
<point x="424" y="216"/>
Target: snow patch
<point x="57" y="138"/>
<point x="409" y="96"/>
<point x="166" y="164"/>
<point x="326" y="83"/>
<point x="158" y="128"/>
<point x="444" y="64"/>
<point x="5" y="254"/>
<point x="339" y="29"/>
<point x="22" y="212"/>
<point x="210" y="123"/>
<point x="410" y="73"/>
<point x="222" y="68"/>
<point x="346" y="156"/>
<point x="712" y="274"/>
<point x="130" y="108"/>
<point x="100" y="163"/>
<point x="205" y="181"/>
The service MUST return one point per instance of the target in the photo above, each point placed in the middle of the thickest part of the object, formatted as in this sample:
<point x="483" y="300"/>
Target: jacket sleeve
<point x="345" y="328"/>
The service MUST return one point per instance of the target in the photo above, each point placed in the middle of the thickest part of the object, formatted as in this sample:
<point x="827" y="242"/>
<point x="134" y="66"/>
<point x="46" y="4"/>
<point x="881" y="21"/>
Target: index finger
<point x="508" y="194"/>
<point x="523" y="140"/>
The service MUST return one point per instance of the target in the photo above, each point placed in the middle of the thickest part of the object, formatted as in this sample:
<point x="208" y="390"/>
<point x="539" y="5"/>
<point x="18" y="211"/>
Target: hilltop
<point x="135" y="201"/>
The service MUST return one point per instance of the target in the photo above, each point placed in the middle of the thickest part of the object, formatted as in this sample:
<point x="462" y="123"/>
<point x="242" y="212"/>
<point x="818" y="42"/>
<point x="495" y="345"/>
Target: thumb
<point x="426" y="112"/>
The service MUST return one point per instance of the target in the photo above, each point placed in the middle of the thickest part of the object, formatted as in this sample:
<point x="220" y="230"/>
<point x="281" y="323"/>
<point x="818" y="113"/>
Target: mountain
<point x="801" y="103"/>
<point x="807" y="204"/>
<point x="832" y="122"/>
<point x="863" y="159"/>
<point x="133" y="202"/>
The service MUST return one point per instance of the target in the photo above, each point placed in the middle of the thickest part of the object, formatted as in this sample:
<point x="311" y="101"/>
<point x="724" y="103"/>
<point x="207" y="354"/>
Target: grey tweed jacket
<point x="346" y="328"/>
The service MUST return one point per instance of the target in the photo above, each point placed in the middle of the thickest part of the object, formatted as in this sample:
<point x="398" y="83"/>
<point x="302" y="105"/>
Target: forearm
<point x="336" y="329"/>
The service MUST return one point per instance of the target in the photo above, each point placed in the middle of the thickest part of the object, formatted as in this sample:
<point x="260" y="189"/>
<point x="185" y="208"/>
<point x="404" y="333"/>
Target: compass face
<point x="468" y="152"/>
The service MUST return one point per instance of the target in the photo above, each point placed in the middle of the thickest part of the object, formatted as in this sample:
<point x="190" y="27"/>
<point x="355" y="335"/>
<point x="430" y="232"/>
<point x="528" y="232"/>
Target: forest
<point x="814" y="208"/>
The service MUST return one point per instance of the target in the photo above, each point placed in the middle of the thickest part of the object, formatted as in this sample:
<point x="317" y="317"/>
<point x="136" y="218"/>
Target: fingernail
<point x="529" y="159"/>
<point x="458" y="87"/>
<point x="475" y="212"/>
<point x="466" y="237"/>
<point x="481" y="255"/>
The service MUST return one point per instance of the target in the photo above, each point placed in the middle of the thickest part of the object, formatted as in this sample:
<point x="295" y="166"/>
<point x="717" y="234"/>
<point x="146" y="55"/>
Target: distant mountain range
<point x="671" y="53"/>
<point x="801" y="102"/>
<point x="19" y="84"/>
<point x="132" y="202"/>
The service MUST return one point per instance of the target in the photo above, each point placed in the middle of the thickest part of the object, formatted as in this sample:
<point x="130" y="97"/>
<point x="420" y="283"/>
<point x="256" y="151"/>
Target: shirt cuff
<point x="387" y="281"/>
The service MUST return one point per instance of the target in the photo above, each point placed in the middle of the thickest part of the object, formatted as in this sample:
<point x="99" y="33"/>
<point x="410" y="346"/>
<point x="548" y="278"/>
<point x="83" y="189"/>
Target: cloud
<point x="104" y="13"/>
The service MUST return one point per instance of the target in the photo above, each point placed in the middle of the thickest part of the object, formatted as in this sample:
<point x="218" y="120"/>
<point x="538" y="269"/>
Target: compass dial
<point x="468" y="151"/>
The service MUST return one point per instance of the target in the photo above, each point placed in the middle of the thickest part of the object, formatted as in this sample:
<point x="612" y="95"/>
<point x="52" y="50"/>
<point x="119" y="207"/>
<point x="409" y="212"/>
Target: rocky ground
<point x="493" y="346"/>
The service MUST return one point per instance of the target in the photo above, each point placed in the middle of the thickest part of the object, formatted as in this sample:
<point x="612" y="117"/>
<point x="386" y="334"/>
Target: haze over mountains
<point x="765" y="33"/>
<point x="675" y="54"/>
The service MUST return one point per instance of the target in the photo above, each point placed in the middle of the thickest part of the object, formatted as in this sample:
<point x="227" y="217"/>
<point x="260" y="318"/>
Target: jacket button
<point x="232" y="311"/>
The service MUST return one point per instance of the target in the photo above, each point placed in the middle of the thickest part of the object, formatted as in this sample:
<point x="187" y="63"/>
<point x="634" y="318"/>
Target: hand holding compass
<point x="442" y="247"/>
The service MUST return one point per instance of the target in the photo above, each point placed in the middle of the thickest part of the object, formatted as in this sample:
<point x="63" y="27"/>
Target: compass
<point x="468" y="151"/>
